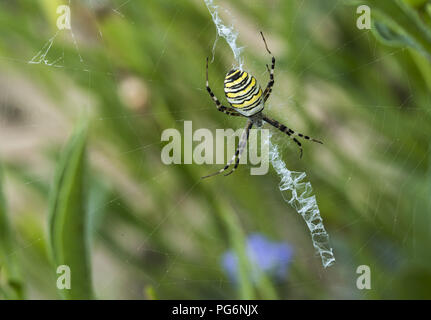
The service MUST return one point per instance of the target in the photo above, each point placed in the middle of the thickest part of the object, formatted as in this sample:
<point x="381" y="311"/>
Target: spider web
<point x="228" y="33"/>
<point x="300" y="198"/>
<point x="294" y="189"/>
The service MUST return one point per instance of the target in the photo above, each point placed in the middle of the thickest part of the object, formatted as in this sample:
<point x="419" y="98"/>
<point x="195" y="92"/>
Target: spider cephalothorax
<point x="247" y="99"/>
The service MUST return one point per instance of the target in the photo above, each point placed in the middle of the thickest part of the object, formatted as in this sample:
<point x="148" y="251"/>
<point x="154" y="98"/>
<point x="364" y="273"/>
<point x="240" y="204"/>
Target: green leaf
<point x="402" y="23"/>
<point x="391" y="37"/>
<point x="416" y="3"/>
<point x="423" y="66"/>
<point x="10" y="280"/>
<point x="68" y="217"/>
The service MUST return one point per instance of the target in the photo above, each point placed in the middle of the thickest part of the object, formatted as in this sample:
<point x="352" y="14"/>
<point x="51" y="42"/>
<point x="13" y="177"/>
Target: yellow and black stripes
<point x="247" y="99"/>
<point x="220" y="107"/>
<point x="243" y="92"/>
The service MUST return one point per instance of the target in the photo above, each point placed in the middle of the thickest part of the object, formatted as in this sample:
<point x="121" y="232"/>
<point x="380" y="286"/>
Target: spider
<point x="245" y="96"/>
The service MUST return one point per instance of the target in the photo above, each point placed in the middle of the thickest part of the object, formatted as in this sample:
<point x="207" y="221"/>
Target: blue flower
<point x="264" y="255"/>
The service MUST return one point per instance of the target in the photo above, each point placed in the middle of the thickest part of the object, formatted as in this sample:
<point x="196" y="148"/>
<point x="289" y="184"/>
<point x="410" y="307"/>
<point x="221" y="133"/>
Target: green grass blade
<point x="388" y="37"/>
<point x="404" y="20"/>
<point x="10" y="280"/>
<point x="246" y="288"/>
<point x="238" y="243"/>
<point x="68" y="218"/>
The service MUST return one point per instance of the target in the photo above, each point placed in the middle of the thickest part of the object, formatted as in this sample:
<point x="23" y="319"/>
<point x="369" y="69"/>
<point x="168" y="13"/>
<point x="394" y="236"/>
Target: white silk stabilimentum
<point x="294" y="190"/>
<point x="299" y="195"/>
<point x="228" y="33"/>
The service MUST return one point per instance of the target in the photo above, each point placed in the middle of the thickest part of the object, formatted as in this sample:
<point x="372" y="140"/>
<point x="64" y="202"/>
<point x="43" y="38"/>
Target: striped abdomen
<point x="243" y="92"/>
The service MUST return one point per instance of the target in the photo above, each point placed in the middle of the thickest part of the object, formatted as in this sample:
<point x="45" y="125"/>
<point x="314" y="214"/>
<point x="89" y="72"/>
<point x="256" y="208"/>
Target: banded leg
<point x="238" y="152"/>
<point x="268" y="89"/>
<point x="219" y="106"/>
<point x="290" y="132"/>
<point x="241" y="146"/>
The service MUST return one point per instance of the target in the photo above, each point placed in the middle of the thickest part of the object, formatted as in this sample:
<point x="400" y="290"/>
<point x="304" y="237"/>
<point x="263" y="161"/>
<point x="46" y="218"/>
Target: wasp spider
<point x="245" y="96"/>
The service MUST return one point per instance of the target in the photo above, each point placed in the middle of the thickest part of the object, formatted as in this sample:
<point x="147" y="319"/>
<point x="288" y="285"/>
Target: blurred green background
<point x="83" y="184"/>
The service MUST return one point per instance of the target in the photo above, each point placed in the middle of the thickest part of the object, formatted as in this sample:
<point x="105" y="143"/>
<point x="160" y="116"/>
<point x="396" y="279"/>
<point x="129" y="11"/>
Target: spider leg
<point x="238" y="152"/>
<point x="290" y="132"/>
<point x="268" y="89"/>
<point x="241" y="146"/>
<point x="220" y="107"/>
